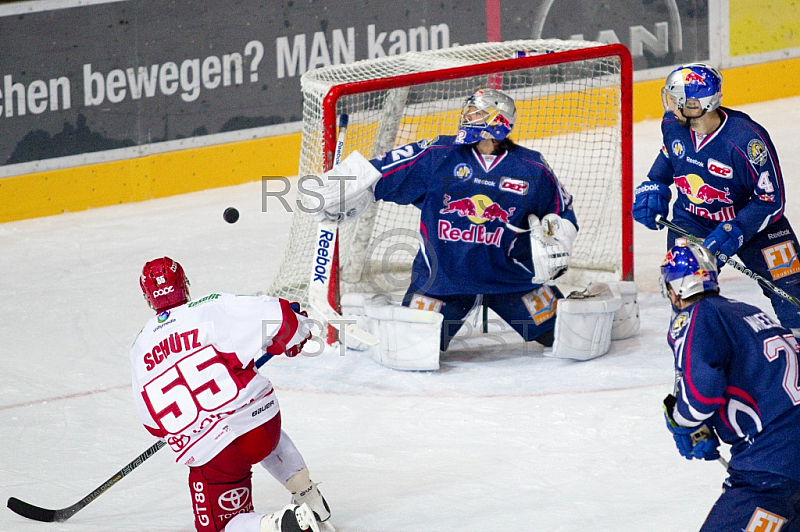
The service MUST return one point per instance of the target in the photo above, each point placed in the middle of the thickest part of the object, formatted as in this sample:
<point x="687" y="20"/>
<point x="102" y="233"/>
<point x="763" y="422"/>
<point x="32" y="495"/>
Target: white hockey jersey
<point x="194" y="373"/>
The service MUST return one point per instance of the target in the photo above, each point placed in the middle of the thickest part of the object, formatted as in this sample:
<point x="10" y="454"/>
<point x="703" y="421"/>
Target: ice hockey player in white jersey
<point x="196" y="385"/>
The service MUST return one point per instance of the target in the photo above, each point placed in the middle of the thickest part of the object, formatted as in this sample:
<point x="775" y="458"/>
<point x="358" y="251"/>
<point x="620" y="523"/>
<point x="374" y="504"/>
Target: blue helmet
<point x="695" y="81"/>
<point x="495" y="122"/>
<point x="689" y="269"/>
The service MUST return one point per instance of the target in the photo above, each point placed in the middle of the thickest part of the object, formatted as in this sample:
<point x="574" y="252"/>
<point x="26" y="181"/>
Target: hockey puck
<point x="231" y="215"/>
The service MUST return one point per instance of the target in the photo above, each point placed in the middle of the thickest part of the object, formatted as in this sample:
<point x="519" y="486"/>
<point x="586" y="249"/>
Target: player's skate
<point x="310" y="495"/>
<point x="291" y="518"/>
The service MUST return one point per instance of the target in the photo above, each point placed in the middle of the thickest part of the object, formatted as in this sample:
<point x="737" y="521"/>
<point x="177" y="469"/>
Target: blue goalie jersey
<point x="737" y="367"/>
<point x="466" y="199"/>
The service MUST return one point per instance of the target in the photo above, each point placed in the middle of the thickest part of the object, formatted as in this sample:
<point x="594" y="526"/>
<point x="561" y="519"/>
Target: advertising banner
<point x="100" y="76"/>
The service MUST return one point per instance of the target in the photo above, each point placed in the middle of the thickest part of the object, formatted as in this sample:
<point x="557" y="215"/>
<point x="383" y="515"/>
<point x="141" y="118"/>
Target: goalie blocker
<point x="586" y="323"/>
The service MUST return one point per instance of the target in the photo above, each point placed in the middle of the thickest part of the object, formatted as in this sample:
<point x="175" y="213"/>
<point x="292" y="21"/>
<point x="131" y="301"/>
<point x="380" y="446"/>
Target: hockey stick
<point x="323" y="265"/>
<point x="731" y="262"/>
<point x="48" y="516"/>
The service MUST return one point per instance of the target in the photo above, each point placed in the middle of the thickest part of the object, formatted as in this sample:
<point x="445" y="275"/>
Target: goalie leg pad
<point x="584" y="321"/>
<point x="626" y="320"/>
<point x="410" y="338"/>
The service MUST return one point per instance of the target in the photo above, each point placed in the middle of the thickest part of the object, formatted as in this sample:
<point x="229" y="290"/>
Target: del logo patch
<point x="720" y="169"/>
<point x="781" y="259"/>
<point x="764" y="521"/>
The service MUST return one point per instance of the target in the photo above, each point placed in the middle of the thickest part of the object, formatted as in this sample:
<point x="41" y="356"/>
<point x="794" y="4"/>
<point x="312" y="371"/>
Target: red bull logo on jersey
<point x="705" y="200"/>
<point x="478" y="208"/>
<point x="781" y="260"/>
<point x="476" y="234"/>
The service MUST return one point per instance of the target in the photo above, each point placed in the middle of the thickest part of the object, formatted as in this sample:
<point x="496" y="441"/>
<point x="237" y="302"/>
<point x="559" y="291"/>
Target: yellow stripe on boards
<point x="147" y="177"/>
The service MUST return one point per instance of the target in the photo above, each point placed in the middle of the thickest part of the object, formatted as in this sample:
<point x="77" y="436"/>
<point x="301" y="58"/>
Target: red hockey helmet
<point x="164" y="284"/>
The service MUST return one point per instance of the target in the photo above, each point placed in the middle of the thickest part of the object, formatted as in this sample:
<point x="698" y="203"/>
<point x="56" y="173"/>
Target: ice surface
<point x="500" y="439"/>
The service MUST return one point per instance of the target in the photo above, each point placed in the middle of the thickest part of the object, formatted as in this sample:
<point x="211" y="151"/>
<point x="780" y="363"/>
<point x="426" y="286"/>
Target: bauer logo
<point x="781" y="260"/>
<point x="764" y="521"/>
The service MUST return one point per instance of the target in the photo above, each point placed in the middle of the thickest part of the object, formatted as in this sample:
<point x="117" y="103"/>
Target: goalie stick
<point x="48" y="516"/>
<point x="323" y="265"/>
<point x="731" y="262"/>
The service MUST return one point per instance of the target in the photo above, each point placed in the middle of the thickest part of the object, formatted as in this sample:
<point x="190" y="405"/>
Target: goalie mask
<point x="689" y="269"/>
<point x="164" y="284"/>
<point x="487" y="114"/>
<point x="695" y="81"/>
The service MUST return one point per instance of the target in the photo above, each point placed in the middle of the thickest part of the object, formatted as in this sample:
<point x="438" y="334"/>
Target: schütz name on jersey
<point x="174" y="343"/>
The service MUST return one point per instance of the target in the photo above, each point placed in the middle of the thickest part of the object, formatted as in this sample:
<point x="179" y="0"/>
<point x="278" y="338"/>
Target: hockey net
<point x="573" y="105"/>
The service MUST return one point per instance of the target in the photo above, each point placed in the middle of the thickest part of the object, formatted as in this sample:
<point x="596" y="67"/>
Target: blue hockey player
<point x="736" y="380"/>
<point x="473" y="190"/>
<point x="729" y="184"/>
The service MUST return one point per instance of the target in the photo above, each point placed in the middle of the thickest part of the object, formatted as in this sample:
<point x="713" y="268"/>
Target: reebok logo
<point x="779" y="234"/>
<point x="647" y="188"/>
<point x="322" y="256"/>
<point x="695" y="161"/>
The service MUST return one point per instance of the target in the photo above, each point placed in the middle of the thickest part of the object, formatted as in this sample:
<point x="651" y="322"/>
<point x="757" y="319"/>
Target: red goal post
<point x="574" y="104"/>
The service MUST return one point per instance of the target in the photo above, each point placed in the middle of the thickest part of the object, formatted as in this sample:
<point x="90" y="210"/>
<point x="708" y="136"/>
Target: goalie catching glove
<point x="343" y="193"/>
<point x="551" y="246"/>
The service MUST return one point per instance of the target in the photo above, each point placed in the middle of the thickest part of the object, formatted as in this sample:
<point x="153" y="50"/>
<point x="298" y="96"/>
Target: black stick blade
<point x="30" y="511"/>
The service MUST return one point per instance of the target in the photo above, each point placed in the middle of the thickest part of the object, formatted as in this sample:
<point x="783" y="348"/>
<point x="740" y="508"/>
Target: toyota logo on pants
<point x="232" y="500"/>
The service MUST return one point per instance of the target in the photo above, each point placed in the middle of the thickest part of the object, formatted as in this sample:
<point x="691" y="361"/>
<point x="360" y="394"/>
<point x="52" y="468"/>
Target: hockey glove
<point x="699" y="442"/>
<point x="726" y="239"/>
<point x="343" y="193"/>
<point x="551" y="246"/>
<point x="296" y="349"/>
<point x="651" y="198"/>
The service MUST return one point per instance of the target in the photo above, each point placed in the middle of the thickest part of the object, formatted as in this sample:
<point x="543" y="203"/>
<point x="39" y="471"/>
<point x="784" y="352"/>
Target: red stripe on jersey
<point x="688" y="371"/>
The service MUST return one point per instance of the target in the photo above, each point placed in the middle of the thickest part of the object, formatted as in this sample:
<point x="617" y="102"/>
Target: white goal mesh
<point x="572" y="105"/>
